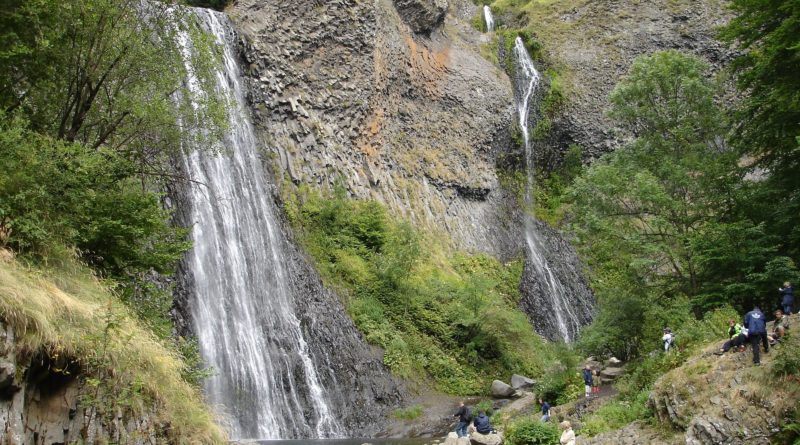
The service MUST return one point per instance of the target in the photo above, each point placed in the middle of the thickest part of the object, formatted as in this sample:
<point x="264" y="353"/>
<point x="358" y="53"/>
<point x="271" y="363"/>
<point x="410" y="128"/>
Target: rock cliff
<point x="593" y="45"/>
<point x="389" y="99"/>
<point x="40" y="403"/>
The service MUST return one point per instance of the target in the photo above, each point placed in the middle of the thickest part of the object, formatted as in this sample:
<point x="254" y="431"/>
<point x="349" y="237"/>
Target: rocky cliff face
<point x="40" y="404"/>
<point x="594" y="43"/>
<point x="390" y="99"/>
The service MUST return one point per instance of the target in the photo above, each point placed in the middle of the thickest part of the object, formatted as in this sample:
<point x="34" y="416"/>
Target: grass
<point x="410" y="413"/>
<point x="61" y="309"/>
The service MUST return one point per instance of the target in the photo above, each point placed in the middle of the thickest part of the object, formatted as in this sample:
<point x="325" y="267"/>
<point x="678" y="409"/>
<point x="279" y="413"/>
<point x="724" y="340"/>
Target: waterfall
<point x="566" y="318"/>
<point x="242" y="306"/>
<point x="487" y="15"/>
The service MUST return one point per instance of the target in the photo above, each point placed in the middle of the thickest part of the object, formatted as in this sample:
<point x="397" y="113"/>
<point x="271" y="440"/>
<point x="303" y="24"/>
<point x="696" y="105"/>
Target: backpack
<point x="468" y="415"/>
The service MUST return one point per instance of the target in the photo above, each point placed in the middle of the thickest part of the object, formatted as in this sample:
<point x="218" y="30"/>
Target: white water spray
<point x="487" y="15"/>
<point x="528" y="80"/>
<point x="241" y="304"/>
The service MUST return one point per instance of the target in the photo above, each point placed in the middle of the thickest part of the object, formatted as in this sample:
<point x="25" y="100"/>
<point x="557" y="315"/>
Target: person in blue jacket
<point x="588" y="380"/>
<point x="545" y="410"/>
<point x="756" y="325"/>
<point x="482" y="424"/>
<point x="787" y="297"/>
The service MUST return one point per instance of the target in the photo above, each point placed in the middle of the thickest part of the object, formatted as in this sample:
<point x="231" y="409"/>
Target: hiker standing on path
<point x="545" y="410"/>
<point x="756" y="325"/>
<point x="464" y="415"/>
<point x="787" y="297"/>
<point x="587" y="380"/>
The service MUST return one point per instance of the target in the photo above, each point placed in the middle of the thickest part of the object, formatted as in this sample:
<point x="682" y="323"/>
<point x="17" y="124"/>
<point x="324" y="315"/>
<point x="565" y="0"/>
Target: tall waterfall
<point x="487" y="15"/>
<point x="265" y="382"/>
<point x="565" y="316"/>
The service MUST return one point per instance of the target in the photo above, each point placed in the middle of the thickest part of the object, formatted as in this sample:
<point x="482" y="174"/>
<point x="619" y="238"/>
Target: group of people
<point x="754" y="328"/>
<point x="480" y="423"/>
<point x="483" y="426"/>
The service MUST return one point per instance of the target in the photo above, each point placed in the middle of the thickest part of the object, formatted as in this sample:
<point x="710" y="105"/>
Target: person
<point x="568" y="436"/>
<point x="545" y="410"/>
<point x="756" y="326"/>
<point x="735" y="337"/>
<point x="779" y="327"/>
<point x="668" y="338"/>
<point x="787" y="297"/>
<point x="736" y="342"/>
<point x="587" y="380"/>
<point x="482" y="424"/>
<point x="464" y="415"/>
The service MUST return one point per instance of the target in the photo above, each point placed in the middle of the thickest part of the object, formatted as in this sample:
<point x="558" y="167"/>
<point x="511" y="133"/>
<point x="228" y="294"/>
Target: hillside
<point x="75" y="366"/>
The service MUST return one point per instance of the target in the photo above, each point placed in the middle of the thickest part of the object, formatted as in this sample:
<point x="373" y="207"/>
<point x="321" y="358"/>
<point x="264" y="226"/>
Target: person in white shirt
<point x="568" y="436"/>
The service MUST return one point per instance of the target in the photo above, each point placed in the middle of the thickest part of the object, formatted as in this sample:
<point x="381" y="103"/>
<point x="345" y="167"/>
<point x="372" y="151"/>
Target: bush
<point x="616" y="414"/>
<point x="410" y="413"/>
<point x="532" y="432"/>
<point x="453" y="319"/>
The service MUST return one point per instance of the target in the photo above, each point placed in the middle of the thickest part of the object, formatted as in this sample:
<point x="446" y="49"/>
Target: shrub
<point x="453" y="319"/>
<point x="532" y="432"/>
<point x="410" y="413"/>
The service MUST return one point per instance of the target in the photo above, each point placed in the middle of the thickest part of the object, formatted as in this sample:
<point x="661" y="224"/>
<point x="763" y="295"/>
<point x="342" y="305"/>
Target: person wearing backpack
<point x="464" y="415"/>
<point x="545" y="410"/>
<point x="756" y="325"/>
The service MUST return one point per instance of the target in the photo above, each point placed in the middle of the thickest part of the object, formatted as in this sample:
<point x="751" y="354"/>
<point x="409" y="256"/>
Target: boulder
<point x="612" y="362"/>
<point x="463" y="441"/>
<point x="7" y="373"/>
<point x="422" y="15"/>
<point x="501" y="390"/>
<point x="452" y="439"/>
<point x="611" y="373"/>
<point x="595" y="365"/>
<point x="521" y="382"/>
<point x="476" y="438"/>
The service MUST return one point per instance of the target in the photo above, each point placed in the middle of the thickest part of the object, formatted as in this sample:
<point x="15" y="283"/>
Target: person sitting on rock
<point x="464" y="416"/>
<point x="545" y="410"/>
<point x="736" y="342"/>
<point x="482" y="424"/>
<point x="568" y="436"/>
<point x="588" y="378"/>
<point x="779" y="327"/>
<point x="787" y="297"/>
<point x="737" y="336"/>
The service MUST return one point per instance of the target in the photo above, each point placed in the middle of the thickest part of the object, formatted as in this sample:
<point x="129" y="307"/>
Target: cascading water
<point x="566" y="318"/>
<point x="487" y="15"/>
<point x="241" y="302"/>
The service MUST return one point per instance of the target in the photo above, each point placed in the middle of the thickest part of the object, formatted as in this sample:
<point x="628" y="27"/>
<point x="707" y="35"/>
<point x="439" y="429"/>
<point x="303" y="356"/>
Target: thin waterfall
<point x="566" y="318"/>
<point x="487" y="15"/>
<point x="265" y="383"/>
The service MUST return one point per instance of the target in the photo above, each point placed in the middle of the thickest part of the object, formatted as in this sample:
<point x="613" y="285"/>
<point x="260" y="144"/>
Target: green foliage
<point x="450" y="319"/>
<point x="410" y="413"/>
<point x="766" y="34"/>
<point x="561" y="383"/>
<point x="532" y="432"/>
<point x="787" y="361"/>
<point x="616" y="414"/>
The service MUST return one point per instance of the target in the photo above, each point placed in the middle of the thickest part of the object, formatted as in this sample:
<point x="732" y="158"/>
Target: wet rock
<point x="476" y="438"/>
<point x="452" y="439"/>
<point x="612" y="373"/>
<point x="521" y="382"/>
<point x="501" y="390"/>
<point x="422" y="15"/>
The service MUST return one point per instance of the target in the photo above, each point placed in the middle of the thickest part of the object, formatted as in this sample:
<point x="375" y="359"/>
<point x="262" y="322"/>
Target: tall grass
<point x="62" y="309"/>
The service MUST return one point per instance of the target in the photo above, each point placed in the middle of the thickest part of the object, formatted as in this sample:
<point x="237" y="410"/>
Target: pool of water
<point x="354" y="441"/>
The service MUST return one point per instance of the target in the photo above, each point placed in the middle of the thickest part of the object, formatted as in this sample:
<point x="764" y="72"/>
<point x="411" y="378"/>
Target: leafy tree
<point x="767" y="33"/>
<point x="107" y="73"/>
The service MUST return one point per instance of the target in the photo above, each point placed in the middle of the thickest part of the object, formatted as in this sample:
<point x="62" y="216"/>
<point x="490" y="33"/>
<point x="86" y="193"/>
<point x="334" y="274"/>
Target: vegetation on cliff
<point x="451" y="318"/>
<point x="91" y="113"/>
<point x="63" y="312"/>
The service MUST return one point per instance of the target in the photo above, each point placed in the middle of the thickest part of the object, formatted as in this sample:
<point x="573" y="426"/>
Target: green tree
<point x="107" y="73"/>
<point x="767" y="35"/>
